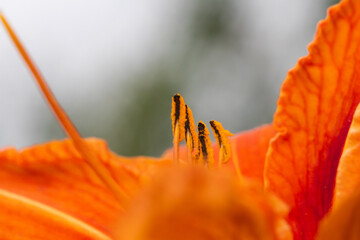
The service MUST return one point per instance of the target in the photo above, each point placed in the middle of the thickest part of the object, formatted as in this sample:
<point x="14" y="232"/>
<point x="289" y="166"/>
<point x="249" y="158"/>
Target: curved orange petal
<point x="315" y="108"/>
<point x="56" y="175"/>
<point x="343" y="222"/>
<point x="348" y="174"/>
<point x="23" y="218"/>
<point x="250" y="149"/>
<point x="194" y="203"/>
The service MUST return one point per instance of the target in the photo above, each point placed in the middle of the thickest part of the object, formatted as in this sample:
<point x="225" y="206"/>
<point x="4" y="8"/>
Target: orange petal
<point x="343" y="222"/>
<point x="251" y="147"/>
<point x="315" y="108"/>
<point x="23" y="218"/>
<point x="194" y="203"/>
<point x="348" y="174"/>
<point x="55" y="174"/>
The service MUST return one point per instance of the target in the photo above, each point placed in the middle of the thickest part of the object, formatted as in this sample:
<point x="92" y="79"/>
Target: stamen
<point x="222" y="138"/>
<point x="66" y="123"/>
<point x="205" y="151"/>
<point x="190" y="134"/>
<point x="178" y="122"/>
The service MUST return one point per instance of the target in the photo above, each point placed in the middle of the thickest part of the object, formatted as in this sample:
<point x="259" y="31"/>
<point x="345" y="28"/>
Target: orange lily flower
<point x="79" y="190"/>
<point x="296" y="159"/>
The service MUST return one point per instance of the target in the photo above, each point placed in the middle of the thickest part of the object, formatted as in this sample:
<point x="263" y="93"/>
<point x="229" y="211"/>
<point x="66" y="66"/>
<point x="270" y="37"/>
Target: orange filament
<point x="189" y="147"/>
<point x="222" y="138"/>
<point x="178" y="123"/>
<point x="66" y="123"/>
<point x="205" y="151"/>
<point x="176" y="144"/>
<point x="236" y="162"/>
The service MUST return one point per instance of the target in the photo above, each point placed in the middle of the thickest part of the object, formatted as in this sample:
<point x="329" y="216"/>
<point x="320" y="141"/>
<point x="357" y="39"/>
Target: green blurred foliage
<point x="210" y="21"/>
<point x="332" y="2"/>
<point x="144" y="125"/>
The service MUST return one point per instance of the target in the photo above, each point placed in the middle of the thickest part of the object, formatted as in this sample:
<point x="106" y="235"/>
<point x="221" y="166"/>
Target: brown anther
<point x="205" y="151"/>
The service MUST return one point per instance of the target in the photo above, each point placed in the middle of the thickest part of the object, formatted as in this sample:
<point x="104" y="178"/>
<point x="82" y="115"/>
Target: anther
<point x="178" y="123"/>
<point x="222" y="138"/>
<point x="205" y="151"/>
<point x="190" y="134"/>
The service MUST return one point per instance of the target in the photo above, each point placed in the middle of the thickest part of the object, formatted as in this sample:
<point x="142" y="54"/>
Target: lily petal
<point x="194" y="203"/>
<point x="315" y="108"/>
<point x="24" y="218"/>
<point x="343" y="222"/>
<point x="250" y="150"/>
<point x="348" y="177"/>
<point x="55" y="174"/>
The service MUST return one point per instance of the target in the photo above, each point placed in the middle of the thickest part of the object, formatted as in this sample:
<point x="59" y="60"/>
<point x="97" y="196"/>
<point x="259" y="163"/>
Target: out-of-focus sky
<point x="114" y="65"/>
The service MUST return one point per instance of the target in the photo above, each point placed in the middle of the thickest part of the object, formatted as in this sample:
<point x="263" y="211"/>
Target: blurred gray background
<point x="114" y="65"/>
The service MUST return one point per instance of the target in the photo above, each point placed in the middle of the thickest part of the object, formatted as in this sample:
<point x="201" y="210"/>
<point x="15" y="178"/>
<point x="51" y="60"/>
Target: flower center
<point x="199" y="149"/>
